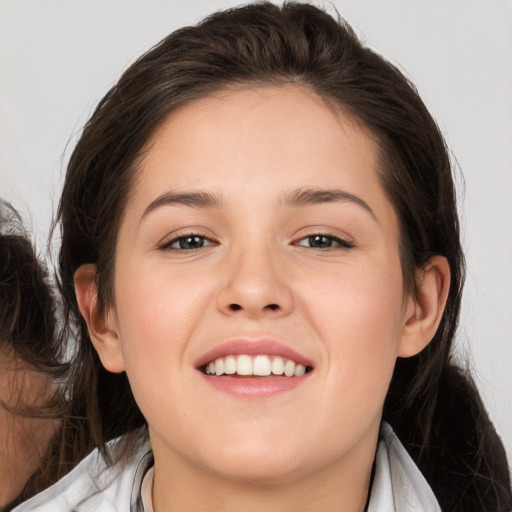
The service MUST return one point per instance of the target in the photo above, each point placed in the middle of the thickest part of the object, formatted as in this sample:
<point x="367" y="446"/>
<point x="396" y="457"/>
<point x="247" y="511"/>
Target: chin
<point x="260" y="472"/>
<point x="260" y="463"/>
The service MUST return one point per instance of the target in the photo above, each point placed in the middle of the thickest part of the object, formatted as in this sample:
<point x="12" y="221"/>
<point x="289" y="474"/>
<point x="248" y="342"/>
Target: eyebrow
<point x="312" y="196"/>
<point x="193" y="199"/>
<point x="296" y="198"/>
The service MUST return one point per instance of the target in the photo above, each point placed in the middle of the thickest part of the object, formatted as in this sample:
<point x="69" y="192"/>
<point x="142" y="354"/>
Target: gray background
<point x="58" y="58"/>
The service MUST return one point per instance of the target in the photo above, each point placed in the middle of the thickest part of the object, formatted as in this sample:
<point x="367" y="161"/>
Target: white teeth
<point x="230" y="365"/>
<point x="244" y="365"/>
<point x="289" y="368"/>
<point x="277" y="366"/>
<point x="299" y="370"/>
<point x="260" y="365"/>
<point x="219" y="366"/>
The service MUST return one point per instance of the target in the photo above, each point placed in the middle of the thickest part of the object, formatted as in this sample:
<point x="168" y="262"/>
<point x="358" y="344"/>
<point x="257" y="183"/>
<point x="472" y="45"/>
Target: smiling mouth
<point x="260" y="366"/>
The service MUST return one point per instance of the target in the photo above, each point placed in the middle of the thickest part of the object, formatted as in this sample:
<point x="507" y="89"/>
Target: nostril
<point x="237" y="307"/>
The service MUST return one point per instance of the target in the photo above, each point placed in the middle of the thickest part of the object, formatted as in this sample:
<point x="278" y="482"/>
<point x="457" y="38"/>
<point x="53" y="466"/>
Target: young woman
<point x="29" y="364"/>
<point x="261" y="258"/>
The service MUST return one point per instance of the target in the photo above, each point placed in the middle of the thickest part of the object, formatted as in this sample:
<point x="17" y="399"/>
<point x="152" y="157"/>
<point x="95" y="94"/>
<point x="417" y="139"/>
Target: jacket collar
<point x="398" y="485"/>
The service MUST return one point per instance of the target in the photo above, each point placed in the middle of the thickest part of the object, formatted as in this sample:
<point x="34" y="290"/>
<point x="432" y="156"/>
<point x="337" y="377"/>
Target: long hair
<point x="27" y="304"/>
<point x="429" y="399"/>
<point x="28" y="341"/>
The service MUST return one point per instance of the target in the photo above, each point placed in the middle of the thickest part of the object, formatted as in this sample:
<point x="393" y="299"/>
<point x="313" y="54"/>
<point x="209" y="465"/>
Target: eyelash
<point x="341" y="242"/>
<point x="168" y="245"/>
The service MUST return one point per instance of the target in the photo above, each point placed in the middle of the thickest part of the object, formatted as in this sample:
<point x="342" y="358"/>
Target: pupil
<point x="320" y="241"/>
<point x="191" y="242"/>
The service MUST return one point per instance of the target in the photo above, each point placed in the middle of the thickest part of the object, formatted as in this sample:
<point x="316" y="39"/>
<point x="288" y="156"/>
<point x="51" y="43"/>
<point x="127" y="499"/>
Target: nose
<point x="255" y="285"/>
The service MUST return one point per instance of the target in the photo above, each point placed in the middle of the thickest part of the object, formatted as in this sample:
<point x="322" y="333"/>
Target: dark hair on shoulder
<point x="432" y="405"/>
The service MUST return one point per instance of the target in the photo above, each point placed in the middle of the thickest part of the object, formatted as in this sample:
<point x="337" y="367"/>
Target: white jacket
<point x="398" y="485"/>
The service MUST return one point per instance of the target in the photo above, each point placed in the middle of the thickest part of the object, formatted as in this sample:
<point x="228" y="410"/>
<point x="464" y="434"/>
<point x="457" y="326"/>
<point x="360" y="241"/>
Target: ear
<point x="102" y="325"/>
<point x="424" y="309"/>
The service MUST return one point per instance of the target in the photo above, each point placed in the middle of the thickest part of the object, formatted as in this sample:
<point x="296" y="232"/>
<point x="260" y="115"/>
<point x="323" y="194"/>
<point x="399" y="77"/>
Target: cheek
<point x="359" y="315"/>
<point x="157" y="312"/>
<point x="150" y="325"/>
<point x="156" y="300"/>
<point x="360" y="299"/>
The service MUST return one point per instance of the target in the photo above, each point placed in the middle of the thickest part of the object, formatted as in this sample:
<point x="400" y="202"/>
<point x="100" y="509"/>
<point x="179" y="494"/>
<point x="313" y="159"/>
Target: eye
<point x="187" y="243"/>
<point x="320" y="241"/>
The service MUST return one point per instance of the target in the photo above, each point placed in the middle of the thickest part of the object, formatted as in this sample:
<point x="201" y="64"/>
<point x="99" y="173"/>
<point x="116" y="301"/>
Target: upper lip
<point x="252" y="347"/>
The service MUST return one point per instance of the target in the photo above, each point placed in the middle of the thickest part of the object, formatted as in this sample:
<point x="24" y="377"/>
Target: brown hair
<point x="429" y="399"/>
<point x="27" y="306"/>
<point x="28" y="338"/>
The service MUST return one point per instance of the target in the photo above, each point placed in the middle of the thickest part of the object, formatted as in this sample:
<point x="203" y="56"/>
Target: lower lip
<point x="254" y="387"/>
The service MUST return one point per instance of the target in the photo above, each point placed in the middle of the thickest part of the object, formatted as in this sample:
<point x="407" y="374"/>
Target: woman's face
<point x="257" y="232"/>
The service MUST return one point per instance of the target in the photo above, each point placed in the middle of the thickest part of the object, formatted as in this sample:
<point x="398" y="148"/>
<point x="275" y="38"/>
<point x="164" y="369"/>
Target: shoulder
<point x="398" y="483"/>
<point x="94" y="485"/>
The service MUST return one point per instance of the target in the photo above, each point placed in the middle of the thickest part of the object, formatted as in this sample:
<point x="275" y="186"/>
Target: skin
<point x="23" y="440"/>
<point x="310" y="448"/>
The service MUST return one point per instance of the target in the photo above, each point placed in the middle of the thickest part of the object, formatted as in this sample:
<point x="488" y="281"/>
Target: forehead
<point x="259" y="141"/>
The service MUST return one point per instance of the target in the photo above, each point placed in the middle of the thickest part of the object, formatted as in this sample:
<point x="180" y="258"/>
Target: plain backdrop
<point x="59" y="57"/>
